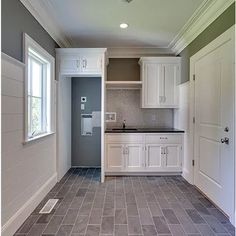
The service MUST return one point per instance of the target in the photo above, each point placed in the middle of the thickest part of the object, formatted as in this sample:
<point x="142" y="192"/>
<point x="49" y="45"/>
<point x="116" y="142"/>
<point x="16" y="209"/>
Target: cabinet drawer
<point x="163" y="138"/>
<point x="124" y="138"/>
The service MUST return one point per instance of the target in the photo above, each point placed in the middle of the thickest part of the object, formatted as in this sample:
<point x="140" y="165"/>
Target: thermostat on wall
<point x="83" y="99"/>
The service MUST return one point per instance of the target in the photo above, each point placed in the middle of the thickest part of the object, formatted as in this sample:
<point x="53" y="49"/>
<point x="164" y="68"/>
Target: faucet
<point x="124" y="125"/>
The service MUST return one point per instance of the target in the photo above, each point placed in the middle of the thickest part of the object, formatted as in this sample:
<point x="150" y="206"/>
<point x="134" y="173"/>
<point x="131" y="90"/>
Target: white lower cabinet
<point x="172" y="157"/>
<point x="115" y="152"/>
<point x="156" y="153"/>
<point x="134" y="157"/>
<point x="153" y="157"/>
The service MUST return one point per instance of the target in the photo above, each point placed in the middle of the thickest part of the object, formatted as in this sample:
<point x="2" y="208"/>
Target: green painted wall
<point x="219" y="26"/>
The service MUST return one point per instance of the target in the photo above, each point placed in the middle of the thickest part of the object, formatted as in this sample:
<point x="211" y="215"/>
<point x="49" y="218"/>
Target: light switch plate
<point x="83" y="99"/>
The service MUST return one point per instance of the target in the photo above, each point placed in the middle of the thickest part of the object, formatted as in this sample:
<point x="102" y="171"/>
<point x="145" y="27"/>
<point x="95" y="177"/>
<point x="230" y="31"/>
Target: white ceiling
<point x="95" y="23"/>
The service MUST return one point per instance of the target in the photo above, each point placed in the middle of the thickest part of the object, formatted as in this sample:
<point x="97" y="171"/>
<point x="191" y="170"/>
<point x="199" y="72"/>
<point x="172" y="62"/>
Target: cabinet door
<point x="173" y="157"/>
<point x="114" y="157"/>
<point x="91" y="64"/>
<point x="69" y="65"/>
<point x="151" y="73"/>
<point x="153" y="157"/>
<point x="134" y="157"/>
<point x="168" y="85"/>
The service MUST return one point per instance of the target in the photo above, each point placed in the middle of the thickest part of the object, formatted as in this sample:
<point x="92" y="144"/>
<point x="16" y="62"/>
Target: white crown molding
<point x="42" y="12"/>
<point x="123" y="52"/>
<point x="206" y="13"/>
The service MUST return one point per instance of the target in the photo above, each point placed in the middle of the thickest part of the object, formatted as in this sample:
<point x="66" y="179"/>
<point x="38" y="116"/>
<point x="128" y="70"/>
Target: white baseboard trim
<point x="186" y="175"/>
<point x="23" y="213"/>
<point x="143" y="173"/>
<point x="61" y="173"/>
<point x="85" y="166"/>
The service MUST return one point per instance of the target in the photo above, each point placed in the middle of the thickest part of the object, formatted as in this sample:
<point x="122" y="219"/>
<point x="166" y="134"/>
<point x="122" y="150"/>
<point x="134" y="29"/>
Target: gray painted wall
<point x="86" y="150"/>
<point x="16" y="19"/>
<point x="215" y="29"/>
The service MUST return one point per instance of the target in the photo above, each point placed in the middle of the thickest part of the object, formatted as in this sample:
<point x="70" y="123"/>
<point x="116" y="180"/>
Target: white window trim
<point x="28" y="42"/>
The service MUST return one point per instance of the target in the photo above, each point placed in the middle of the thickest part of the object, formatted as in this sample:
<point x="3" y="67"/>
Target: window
<point x="39" y="89"/>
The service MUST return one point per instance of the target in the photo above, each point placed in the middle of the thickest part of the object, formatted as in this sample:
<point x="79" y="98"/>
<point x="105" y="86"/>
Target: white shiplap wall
<point x="28" y="171"/>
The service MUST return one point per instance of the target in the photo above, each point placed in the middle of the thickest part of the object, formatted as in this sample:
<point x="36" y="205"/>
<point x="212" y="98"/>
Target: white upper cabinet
<point x="91" y="63"/>
<point x="69" y="64"/>
<point x="160" y="77"/>
<point x="152" y="74"/>
<point x="80" y="61"/>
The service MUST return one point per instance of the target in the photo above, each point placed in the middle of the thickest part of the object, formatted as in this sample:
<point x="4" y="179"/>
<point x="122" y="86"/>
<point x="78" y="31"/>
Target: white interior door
<point x="214" y="124"/>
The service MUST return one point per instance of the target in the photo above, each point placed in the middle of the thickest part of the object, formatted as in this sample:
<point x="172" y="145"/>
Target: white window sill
<point x="37" y="138"/>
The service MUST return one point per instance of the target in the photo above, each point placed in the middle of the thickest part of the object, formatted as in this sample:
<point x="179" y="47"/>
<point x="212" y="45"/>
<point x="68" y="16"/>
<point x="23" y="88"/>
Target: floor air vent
<point x="49" y="206"/>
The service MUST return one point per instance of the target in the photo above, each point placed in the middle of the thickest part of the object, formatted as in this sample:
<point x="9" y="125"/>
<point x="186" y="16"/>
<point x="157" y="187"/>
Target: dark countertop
<point x="144" y="130"/>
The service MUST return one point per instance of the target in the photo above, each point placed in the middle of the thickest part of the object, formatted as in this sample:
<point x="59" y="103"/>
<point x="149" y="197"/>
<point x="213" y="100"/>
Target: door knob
<point x="225" y="140"/>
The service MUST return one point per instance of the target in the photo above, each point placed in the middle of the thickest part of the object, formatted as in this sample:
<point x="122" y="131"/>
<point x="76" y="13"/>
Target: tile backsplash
<point x="126" y="104"/>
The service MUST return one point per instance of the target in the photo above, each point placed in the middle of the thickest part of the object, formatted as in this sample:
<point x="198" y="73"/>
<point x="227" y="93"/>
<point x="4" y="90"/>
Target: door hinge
<point x="194" y="120"/>
<point x="194" y="77"/>
<point x="193" y="162"/>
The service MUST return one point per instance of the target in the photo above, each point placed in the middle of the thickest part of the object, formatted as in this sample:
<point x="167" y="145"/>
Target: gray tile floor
<point x="126" y="206"/>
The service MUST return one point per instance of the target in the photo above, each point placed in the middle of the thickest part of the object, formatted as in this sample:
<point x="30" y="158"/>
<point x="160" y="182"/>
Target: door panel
<point x="214" y="110"/>
<point x="151" y="74"/>
<point x="69" y="65"/>
<point x="173" y="156"/>
<point x="134" y="157"/>
<point x="114" y="157"/>
<point x="91" y="63"/>
<point x="153" y="157"/>
<point x="209" y="161"/>
<point x="169" y="78"/>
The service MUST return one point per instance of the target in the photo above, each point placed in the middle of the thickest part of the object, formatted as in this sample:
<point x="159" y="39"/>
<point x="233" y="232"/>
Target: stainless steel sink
<point x="126" y="129"/>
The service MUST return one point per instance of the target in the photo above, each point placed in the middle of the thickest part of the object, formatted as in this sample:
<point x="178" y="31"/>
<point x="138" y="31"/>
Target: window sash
<point x="42" y="96"/>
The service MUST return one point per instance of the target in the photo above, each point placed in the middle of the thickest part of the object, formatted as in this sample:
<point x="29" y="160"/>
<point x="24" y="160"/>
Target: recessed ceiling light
<point x="124" y="26"/>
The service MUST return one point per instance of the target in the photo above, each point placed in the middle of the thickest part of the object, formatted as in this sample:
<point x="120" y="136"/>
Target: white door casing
<point x="213" y="90"/>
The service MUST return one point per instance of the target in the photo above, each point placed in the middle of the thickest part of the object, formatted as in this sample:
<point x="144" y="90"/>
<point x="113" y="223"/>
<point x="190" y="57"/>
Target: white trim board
<point x="207" y="12"/>
<point x="12" y="60"/>
<point x="42" y="12"/>
<point x="143" y="173"/>
<point x="121" y="52"/>
<point x="23" y="213"/>
<point x="181" y="121"/>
